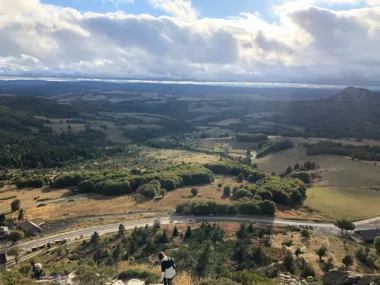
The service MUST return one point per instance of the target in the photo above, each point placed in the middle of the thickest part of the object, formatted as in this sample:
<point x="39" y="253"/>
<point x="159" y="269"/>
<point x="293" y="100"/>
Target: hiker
<point x="36" y="270"/>
<point x="167" y="269"/>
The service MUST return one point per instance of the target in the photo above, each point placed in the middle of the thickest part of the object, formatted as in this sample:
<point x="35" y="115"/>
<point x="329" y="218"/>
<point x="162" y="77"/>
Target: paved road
<point x="110" y="228"/>
<point x="327" y="228"/>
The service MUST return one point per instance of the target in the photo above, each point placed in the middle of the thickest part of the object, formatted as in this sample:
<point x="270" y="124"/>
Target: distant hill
<point x="352" y="112"/>
<point x="352" y="94"/>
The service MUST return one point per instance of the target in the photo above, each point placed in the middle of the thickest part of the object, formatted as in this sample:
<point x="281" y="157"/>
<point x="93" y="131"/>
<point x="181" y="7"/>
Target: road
<point x="110" y="228"/>
<point x="327" y="228"/>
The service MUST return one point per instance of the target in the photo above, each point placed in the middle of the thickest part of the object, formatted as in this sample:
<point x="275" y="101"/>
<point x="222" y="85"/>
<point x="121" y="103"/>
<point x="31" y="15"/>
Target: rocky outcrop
<point x="370" y="279"/>
<point x="338" y="277"/>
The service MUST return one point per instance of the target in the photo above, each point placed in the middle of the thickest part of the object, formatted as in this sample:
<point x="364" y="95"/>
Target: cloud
<point x="307" y="44"/>
<point x="117" y="3"/>
<point x="178" y="8"/>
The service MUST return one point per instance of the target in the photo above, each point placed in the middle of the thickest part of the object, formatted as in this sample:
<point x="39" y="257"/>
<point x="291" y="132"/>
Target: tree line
<point x="364" y="152"/>
<point x="124" y="182"/>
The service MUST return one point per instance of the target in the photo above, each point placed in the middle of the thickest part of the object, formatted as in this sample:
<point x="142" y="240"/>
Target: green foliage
<point x="175" y="232"/>
<point x="232" y="167"/>
<point x="227" y="190"/>
<point x="275" y="147"/>
<point x="362" y="152"/>
<point x="194" y="191"/>
<point x="302" y="175"/>
<point x="321" y="252"/>
<point x="189" y="232"/>
<point x="150" y="190"/>
<point x="121" y="230"/>
<point x="251" y="137"/>
<point x="305" y="233"/>
<point x="366" y="256"/>
<point x="268" y="207"/>
<point x="21" y="215"/>
<point x="307" y="270"/>
<point x="298" y="252"/>
<point x="240" y="177"/>
<point x="15" y="236"/>
<point x="162" y="192"/>
<point x="348" y="261"/>
<point x="376" y="244"/>
<point x="15" y="205"/>
<point x="345" y="225"/>
<point x="14" y="251"/>
<point x="327" y="266"/>
<point x="242" y="232"/>
<point x="146" y="276"/>
<point x="95" y="239"/>
<point x="116" y="182"/>
<point x="289" y="264"/>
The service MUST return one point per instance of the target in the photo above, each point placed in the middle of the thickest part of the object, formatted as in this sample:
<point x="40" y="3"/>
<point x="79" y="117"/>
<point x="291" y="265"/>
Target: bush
<point x="376" y="244"/>
<point x="240" y="177"/>
<point x="302" y="175"/>
<point x="162" y="192"/>
<point x="307" y="270"/>
<point x="268" y="207"/>
<point x="265" y="194"/>
<point x="289" y="263"/>
<point x="15" y="236"/>
<point x="16" y="205"/>
<point x="138" y="274"/>
<point x="194" y="191"/>
<point x="227" y="190"/>
<point x="241" y="193"/>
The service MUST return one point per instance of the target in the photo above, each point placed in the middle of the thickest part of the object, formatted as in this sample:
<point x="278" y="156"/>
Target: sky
<point x="295" y="41"/>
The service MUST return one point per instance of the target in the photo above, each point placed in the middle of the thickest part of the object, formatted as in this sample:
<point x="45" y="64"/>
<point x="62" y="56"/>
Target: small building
<point x="368" y="235"/>
<point x="30" y="228"/>
<point x="4" y="232"/>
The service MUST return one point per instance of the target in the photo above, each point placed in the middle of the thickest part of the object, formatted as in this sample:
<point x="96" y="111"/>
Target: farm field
<point x="347" y="189"/>
<point x="99" y="204"/>
<point x="28" y="196"/>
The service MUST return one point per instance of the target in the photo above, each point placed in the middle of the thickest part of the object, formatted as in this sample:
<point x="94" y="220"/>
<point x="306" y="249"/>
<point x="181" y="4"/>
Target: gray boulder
<point x="369" y="278"/>
<point x="337" y="277"/>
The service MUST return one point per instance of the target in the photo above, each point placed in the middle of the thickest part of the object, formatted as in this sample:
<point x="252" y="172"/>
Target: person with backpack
<point x="167" y="268"/>
<point x="36" y="270"/>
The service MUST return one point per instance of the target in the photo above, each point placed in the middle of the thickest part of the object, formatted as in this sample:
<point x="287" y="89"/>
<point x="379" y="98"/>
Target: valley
<point x="90" y="160"/>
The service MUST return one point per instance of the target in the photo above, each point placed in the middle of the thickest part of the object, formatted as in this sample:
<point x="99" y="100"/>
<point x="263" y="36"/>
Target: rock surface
<point x="337" y="277"/>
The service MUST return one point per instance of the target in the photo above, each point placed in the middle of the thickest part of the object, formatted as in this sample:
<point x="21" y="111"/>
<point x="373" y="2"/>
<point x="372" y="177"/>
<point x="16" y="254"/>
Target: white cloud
<point x="307" y="44"/>
<point x="117" y="3"/>
<point x="178" y="8"/>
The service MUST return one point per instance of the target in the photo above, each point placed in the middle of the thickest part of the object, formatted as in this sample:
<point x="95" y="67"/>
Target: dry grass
<point x="181" y="156"/>
<point x="27" y="196"/>
<point x="99" y="205"/>
<point x="348" y="188"/>
<point x="92" y="222"/>
<point x="334" y="244"/>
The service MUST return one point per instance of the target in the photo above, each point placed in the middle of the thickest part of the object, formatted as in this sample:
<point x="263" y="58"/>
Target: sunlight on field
<point x="99" y="205"/>
<point x="28" y="197"/>
<point x="348" y="188"/>
<point x="340" y="202"/>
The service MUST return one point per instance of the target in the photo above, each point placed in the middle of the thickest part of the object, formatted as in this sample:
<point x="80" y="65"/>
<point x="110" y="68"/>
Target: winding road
<point x="327" y="228"/>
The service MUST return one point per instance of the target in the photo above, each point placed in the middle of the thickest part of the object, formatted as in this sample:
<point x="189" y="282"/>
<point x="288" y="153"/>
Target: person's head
<point x="161" y="255"/>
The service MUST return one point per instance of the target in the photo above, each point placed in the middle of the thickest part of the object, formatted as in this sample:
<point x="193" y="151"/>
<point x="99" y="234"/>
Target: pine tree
<point x="188" y="232"/>
<point x="175" y="232"/>
<point x="121" y="230"/>
<point x="95" y="239"/>
<point x="21" y="215"/>
<point x="251" y="228"/>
